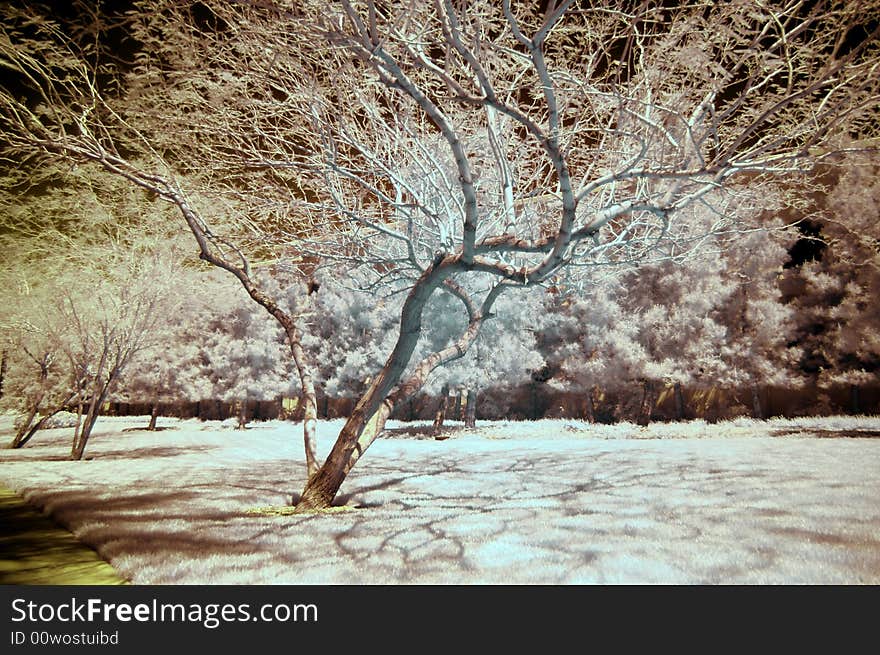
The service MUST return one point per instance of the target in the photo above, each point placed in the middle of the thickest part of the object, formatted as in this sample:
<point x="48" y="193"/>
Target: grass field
<point x="551" y="502"/>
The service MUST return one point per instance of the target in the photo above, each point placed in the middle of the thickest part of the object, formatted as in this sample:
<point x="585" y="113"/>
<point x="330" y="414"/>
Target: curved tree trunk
<point x="30" y="433"/>
<point x="26" y="428"/>
<point x="376" y="405"/>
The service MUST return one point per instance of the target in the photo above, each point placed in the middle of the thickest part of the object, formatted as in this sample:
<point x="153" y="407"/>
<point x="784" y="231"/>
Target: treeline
<point x="781" y="321"/>
<point x="535" y="401"/>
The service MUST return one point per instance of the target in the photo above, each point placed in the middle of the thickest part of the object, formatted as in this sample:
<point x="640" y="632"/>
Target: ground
<point x="550" y="502"/>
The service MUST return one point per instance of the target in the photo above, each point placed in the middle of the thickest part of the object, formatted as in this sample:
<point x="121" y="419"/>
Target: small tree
<point x="832" y="281"/>
<point x="242" y="354"/>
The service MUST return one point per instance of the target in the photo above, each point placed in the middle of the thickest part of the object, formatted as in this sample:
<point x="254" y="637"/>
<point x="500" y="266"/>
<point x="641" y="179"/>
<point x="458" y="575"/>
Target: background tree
<point x="170" y="368"/>
<point x="242" y="354"/>
<point x="831" y="282"/>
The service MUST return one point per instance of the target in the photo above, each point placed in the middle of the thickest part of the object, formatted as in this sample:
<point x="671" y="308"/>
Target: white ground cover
<point x="554" y="502"/>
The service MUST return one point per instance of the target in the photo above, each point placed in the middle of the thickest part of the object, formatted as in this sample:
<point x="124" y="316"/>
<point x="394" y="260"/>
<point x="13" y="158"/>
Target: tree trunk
<point x="647" y="404"/>
<point x="19" y="440"/>
<point x="678" y="397"/>
<point x="3" y="364"/>
<point x="442" y="406"/>
<point x="470" y="416"/>
<point x="242" y="414"/>
<point x="591" y="404"/>
<point x="855" y="404"/>
<point x="154" y="414"/>
<point x="456" y="407"/>
<point x="380" y="398"/>
<point x="757" y="410"/>
<point x="34" y="429"/>
<point x="94" y="411"/>
<point x="299" y="412"/>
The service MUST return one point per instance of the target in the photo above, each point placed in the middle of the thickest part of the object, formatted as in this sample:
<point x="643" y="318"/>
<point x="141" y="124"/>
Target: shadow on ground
<point x="36" y="551"/>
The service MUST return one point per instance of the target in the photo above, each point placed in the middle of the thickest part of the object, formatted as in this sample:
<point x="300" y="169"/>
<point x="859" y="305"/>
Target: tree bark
<point x="3" y="363"/>
<point x="19" y="440"/>
<point x="470" y="416"/>
<point x="855" y="404"/>
<point x="376" y="404"/>
<point x="678" y="397"/>
<point x="591" y="404"/>
<point x="442" y="406"/>
<point x="757" y="410"/>
<point x="34" y="429"/>
<point x="242" y="414"/>
<point x="456" y="407"/>
<point x="647" y="404"/>
<point x="94" y="411"/>
<point x="154" y="414"/>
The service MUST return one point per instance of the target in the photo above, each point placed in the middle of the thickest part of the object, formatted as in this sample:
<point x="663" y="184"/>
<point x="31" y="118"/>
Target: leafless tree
<point x="436" y="141"/>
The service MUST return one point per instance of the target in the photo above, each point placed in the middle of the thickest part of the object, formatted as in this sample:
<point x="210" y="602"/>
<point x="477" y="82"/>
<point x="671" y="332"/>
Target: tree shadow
<point x="425" y="431"/>
<point x="149" y="452"/>
<point x="826" y="434"/>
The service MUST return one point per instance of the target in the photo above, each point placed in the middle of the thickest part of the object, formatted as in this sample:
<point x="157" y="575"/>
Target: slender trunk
<point x="76" y="428"/>
<point x="442" y="406"/>
<point x="308" y="400"/>
<point x="19" y="443"/>
<point x="591" y="404"/>
<point x="154" y="414"/>
<point x="19" y="440"/>
<point x="456" y="407"/>
<point x="299" y="411"/>
<point x="470" y="416"/>
<point x="3" y="364"/>
<point x="97" y="402"/>
<point x="242" y="414"/>
<point x="647" y="404"/>
<point x="678" y="396"/>
<point x="34" y="429"/>
<point x="855" y="404"/>
<point x="25" y="428"/>
<point x="757" y="411"/>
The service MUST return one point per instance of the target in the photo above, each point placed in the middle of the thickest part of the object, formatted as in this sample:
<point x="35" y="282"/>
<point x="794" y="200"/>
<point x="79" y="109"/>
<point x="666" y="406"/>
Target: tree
<point x="831" y="283"/>
<point x="482" y="139"/>
<point x="77" y="335"/>
<point x="241" y="352"/>
<point x="171" y="366"/>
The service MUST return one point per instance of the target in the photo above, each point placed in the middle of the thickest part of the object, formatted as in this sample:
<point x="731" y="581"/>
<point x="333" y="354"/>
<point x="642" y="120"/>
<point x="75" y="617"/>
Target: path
<point x="36" y="551"/>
